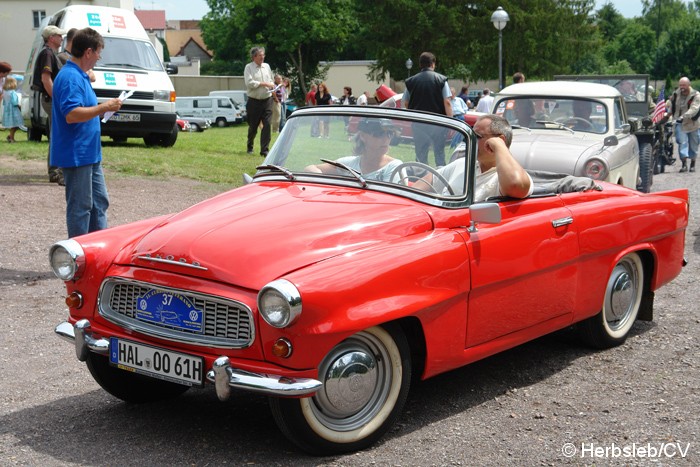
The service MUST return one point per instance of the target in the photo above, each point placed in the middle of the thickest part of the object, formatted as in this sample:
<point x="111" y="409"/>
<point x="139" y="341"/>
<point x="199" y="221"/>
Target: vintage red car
<point x="330" y="289"/>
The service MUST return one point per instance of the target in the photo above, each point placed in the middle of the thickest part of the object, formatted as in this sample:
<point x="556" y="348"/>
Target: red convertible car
<point x="331" y="287"/>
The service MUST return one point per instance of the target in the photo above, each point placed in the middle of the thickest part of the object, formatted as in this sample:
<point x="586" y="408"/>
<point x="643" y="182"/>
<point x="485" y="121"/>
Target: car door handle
<point x="563" y="221"/>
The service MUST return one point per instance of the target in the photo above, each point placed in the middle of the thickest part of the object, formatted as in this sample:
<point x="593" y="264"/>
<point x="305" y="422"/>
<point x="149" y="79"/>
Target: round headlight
<point x="279" y="303"/>
<point x="67" y="259"/>
<point x="596" y="169"/>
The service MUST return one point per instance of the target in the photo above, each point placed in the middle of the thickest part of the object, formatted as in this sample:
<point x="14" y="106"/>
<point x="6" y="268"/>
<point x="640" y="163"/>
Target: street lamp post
<point x="500" y="18"/>
<point x="409" y="65"/>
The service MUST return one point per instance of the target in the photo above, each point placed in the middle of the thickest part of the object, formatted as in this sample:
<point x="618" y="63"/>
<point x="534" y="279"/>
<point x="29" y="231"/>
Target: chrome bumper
<point x="223" y="375"/>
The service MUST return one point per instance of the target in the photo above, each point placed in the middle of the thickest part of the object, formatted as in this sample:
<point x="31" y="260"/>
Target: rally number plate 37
<point x="156" y="362"/>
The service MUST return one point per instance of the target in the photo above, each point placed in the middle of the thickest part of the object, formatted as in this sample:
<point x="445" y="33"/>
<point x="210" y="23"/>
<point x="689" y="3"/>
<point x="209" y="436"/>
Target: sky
<point x="196" y="9"/>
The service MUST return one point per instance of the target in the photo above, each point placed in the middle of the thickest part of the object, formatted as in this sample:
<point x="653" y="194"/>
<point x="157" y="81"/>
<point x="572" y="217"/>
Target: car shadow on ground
<point x="198" y="429"/>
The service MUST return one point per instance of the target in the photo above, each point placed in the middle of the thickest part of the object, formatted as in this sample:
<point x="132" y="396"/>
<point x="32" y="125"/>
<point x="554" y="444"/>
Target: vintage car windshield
<point x="376" y="152"/>
<point x="555" y="113"/>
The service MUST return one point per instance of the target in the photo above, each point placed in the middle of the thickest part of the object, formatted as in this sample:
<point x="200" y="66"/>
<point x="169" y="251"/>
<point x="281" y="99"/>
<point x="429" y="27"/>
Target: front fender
<point x="424" y="275"/>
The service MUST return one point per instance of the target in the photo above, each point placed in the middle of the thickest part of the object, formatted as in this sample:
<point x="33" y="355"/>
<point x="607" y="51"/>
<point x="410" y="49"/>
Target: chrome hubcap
<point x="357" y="377"/>
<point x="622" y="295"/>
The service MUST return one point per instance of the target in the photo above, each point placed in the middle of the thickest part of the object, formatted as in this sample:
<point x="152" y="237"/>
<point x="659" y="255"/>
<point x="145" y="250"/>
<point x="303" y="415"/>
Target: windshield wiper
<point x="559" y="125"/>
<point x="278" y="168"/>
<point x="354" y="172"/>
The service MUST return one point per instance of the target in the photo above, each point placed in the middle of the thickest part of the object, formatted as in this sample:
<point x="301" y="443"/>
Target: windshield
<point x="372" y="151"/>
<point x="129" y="53"/>
<point x="555" y="113"/>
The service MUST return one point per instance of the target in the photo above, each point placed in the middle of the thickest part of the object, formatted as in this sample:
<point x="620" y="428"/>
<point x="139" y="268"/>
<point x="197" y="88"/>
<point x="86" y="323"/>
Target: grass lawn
<point x="217" y="155"/>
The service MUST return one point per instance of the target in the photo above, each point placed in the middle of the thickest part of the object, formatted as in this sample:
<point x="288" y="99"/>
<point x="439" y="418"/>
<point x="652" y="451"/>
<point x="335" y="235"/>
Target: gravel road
<point x="537" y="404"/>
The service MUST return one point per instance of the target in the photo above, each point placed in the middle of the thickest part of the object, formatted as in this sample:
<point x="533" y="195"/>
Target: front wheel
<point x="623" y="298"/>
<point x="366" y="379"/>
<point x="130" y="387"/>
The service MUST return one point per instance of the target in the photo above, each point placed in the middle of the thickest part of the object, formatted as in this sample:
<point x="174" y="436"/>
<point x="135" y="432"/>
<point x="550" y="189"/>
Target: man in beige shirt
<point x="259" y="85"/>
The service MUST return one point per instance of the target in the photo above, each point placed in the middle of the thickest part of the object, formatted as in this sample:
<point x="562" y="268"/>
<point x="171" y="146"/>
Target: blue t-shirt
<point x="73" y="144"/>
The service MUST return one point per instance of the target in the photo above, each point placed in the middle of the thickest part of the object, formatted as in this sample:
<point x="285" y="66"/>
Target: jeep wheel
<point x="34" y="134"/>
<point x="646" y="167"/>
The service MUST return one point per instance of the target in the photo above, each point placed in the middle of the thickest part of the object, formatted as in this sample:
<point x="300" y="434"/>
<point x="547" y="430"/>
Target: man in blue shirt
<point x="75" y="136"/>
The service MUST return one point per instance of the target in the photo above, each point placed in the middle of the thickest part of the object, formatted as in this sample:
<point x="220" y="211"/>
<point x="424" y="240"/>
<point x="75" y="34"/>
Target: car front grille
<point x="112" y="93"/>
<point x="225" y="323"/>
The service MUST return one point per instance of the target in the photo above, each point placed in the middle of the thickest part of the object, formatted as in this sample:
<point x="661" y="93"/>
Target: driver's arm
<point x="513" y="181"/>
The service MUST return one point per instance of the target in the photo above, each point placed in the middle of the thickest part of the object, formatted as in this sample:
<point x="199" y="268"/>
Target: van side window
<point x="225" y="104"/>
<point x="203" y="104"/>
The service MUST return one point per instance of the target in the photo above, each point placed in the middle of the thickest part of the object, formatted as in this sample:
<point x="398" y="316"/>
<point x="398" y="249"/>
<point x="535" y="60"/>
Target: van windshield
<point x="129" y="53"/>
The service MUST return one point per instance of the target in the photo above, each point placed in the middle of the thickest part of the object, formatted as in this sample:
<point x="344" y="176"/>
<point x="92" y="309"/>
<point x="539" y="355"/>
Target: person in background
<point x="311" y="95"/>
<point x="45" y="70"/>
<point x="485" y="102"/>
<point x="12" y="116"/>
<point x="277" y="98"/>
<point x="363" y="99"/>
<point x="685" y="108"/>
<point x="464" y="95"/>
<point x="258" y="79"/>
<point x="459" y="107"/>
<point x="75" y="143"/>
<point x="347" y="98"/>
<point x="5" y="69"/>
<point x="286" y="89"/>
<point x="311" y="101"/>
<point x="323" y="97"/>
<point x="518" y="77"/>
<point x="65" y="55"/>
<point x="428" y="91"/>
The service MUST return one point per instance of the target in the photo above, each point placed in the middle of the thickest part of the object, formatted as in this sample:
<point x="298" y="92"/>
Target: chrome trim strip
<point x="562" y="222"/>
<point x="172" y="261"/>
<point x="172" y="335"/>
<point x="225" y="377"/>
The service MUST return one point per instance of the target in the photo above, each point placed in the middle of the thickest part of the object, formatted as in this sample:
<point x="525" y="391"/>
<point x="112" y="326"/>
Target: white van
<point x="128" y="62"/>
<point x="219" y="109"/>
<point x="240" y="98"/>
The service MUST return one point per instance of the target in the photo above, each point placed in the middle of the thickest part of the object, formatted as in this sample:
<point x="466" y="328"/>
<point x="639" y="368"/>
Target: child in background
<point x="12" y="117"/>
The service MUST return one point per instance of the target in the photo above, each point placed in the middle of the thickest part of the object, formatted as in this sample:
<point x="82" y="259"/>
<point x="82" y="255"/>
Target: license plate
<point x="126" y="117"/>
<point x="156" y="362"/>
<point x="169" y="309"/>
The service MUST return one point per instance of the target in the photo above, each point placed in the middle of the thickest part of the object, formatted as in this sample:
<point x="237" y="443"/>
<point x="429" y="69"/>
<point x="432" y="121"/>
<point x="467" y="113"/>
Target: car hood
<point x="257" y="233"/>
<point x="553" y="152"/>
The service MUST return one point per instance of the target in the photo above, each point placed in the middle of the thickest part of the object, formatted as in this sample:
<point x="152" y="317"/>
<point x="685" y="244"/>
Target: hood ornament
<point x="170" y="259"/>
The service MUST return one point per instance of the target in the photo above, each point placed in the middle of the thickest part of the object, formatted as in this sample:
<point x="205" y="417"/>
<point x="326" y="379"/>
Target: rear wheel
<point x="623" y="299"/>
<point x="194" y="127"/>
<point x="130" y="387"/>
<point x="220" y="122"/>
<point x="366" y="379"/>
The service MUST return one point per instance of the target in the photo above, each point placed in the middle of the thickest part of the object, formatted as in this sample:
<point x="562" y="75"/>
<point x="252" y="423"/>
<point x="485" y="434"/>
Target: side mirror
<point x="171" y="69"/>
<point x="488" y="213"/>
<point x="611" y="141"/>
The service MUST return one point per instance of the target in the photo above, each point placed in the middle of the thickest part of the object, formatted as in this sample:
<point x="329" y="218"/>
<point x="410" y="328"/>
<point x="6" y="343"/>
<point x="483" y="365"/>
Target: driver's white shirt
<point x="486" y="185"/>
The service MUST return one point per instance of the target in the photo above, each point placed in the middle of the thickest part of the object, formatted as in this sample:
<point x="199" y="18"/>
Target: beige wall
<point x="353" y="74"/>
<point x="17" y="30"/>
<point x="202" y="85"/>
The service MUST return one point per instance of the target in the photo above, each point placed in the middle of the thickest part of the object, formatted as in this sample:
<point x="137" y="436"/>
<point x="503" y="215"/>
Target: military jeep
<point x="639" y="102"/>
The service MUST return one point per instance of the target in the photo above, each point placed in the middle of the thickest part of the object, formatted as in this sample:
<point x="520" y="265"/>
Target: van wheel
<point x="220" y="122"/>
<point x="169" y="140"/>
<point x="119" y="139"/>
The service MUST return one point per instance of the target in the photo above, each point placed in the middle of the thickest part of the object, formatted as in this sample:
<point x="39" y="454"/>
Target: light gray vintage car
<point x="571" y="127"/>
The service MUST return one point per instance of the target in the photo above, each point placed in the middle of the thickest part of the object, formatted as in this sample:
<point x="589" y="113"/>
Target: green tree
<point x="635" y="44"/>
<point x="297" y="35"/>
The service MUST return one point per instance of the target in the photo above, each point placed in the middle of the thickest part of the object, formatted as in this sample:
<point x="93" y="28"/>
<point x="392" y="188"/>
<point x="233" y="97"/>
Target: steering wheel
<point x="574" y="121"/>
<point x="404" y="179"/>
